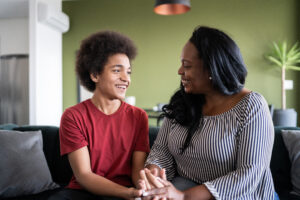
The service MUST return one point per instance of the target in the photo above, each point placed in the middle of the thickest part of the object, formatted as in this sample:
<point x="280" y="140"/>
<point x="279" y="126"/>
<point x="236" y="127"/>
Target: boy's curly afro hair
<point x="95" y="51"/>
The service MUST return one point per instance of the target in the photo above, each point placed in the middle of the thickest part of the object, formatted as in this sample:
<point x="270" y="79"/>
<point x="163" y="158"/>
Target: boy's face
<point x="114" y="80"/>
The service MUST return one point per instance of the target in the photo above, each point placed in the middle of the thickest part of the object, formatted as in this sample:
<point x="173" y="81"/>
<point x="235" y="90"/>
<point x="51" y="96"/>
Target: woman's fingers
<point x="167" y="192"/>
<point x="146" y="182"/>
<point x="141" y="185"/>
<point x="154" y="171"/>
<point x="156" y="192"/>
<point x="153" y="179"/>
<point x="163" y="182"/>
<point x="163" y="174"/>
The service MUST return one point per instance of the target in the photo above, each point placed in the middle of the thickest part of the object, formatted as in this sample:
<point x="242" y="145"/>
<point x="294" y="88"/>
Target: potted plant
<point x="286" y="59"/>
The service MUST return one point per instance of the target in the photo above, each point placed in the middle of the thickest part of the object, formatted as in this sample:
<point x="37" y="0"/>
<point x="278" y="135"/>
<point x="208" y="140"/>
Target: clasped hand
<point x="155" y="186"/>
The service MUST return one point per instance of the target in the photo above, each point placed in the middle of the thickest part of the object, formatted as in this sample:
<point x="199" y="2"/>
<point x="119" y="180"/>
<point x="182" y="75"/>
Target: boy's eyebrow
<point x="119" y="66"/>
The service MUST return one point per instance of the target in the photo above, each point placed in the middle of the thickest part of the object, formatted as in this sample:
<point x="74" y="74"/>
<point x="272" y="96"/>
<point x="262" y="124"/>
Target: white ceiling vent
<point x="48" y="15"/>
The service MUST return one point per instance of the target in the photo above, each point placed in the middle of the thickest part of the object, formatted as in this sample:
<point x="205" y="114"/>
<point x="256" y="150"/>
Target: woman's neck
<point x="105" y="105"/>
<point x="217" y="103"/>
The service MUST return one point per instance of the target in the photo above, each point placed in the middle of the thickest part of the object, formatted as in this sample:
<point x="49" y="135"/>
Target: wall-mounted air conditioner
<point x="50" y="16"/>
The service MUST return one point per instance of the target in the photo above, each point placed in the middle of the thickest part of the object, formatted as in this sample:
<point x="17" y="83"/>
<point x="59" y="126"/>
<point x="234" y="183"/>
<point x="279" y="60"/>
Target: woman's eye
<point x="129" y="72"/>
<point x="186" y="66"/>
<point x="116" y="70"/>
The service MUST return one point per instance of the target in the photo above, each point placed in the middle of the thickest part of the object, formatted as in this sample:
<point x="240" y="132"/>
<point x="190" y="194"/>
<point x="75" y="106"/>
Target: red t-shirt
<point x="110" y="139"/>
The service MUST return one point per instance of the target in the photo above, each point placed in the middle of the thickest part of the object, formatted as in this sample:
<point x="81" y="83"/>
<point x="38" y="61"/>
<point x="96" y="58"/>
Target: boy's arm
<point x="80" y="163"/>
<point x="138" y="161"/>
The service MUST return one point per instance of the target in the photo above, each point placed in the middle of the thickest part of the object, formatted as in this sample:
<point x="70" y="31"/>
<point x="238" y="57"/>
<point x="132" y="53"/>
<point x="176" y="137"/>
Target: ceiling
<point x="13" y="9"/>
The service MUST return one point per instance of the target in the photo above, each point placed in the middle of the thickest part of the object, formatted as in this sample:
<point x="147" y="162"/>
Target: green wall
<point x="253" y="24"/>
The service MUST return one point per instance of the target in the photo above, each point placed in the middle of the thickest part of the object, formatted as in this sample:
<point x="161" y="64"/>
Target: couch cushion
<point x="23" y="167"/>
<point x="291" y="140"/>
<point x="59" y="166"/>
<point x="280" y="162"/>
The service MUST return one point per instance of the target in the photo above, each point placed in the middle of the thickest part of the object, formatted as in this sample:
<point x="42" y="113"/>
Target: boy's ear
<point x="94" y="77"/>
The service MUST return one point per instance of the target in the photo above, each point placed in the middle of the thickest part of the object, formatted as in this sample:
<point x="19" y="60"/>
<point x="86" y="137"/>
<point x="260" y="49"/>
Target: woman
<point x="106" y="139"/>
<point x="216" y="140"/>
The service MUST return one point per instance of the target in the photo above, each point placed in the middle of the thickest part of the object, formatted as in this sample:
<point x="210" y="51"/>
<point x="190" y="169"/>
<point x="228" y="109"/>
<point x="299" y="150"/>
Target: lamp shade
<point x="172" y="7"/>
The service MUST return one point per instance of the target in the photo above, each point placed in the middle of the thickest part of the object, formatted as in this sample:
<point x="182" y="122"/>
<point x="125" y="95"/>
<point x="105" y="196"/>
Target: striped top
<point x="230" y="154"/>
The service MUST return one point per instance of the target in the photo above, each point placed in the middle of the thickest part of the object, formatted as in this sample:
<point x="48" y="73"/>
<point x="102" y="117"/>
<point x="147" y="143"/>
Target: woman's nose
<point x="180" y="71"/>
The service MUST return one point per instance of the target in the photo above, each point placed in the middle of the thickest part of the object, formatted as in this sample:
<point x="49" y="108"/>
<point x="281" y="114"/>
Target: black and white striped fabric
<point x="230" y="153"/>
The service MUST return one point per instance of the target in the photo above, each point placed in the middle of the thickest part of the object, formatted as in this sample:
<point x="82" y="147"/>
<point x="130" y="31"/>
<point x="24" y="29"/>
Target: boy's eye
<point x="116" y="70"/>
<point x="129" y="72"/>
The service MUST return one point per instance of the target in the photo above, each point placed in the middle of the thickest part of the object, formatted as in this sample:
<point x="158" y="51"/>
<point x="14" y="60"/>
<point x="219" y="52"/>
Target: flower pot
<point x="287" y="117"/>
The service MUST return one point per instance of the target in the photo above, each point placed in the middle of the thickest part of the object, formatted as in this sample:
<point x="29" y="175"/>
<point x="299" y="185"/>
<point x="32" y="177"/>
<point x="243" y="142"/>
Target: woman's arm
<point x="254" y="149"/>
<point x="198" y="193"/>
<point x="80" y="163"/>
<point x="160" y="156"/>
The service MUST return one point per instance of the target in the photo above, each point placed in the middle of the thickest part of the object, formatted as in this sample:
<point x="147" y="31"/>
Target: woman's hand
<point x="165" y="190"/>
<point x="161" y="189"/>
<point x="149" y="182"/>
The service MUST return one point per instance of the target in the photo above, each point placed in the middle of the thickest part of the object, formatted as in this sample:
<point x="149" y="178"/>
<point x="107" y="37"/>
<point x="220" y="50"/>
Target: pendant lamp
<point x="172" y="7"/>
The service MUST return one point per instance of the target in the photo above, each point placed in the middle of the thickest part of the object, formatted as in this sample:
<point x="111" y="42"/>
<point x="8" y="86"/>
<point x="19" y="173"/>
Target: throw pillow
<point x="291" y="140"/>
<point x="23" y="166"/>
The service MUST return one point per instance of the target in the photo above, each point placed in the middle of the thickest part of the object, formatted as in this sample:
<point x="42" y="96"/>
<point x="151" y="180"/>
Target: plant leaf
<point x="297" y="68"/>
<point x="283" y="57"/>
<point x="294" y="57"/>
<point x="277" y="51"/>
<point x="293" y="50"/>
<point x="274" y="60"/>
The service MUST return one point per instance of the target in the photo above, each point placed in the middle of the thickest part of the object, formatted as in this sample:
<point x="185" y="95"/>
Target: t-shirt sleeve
<point x="71" y="137"/>
<point x="142" y="142"/>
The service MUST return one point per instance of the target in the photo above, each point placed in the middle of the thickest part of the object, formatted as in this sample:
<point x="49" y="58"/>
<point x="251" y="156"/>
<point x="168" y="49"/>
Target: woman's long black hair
<point x="222" y="58"/>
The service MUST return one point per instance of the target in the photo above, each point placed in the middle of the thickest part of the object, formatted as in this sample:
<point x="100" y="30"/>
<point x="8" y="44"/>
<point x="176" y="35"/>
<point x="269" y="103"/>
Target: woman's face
<point x="113" y="81"/>
<point x="194" y="78"/>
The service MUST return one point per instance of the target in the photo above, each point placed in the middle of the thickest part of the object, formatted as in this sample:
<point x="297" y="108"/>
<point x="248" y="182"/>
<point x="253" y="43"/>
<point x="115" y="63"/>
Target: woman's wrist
<point x="198" y="191"/>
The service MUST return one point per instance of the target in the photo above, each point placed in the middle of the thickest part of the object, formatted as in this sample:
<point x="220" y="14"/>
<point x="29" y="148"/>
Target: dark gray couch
<point x="61" y="171"/>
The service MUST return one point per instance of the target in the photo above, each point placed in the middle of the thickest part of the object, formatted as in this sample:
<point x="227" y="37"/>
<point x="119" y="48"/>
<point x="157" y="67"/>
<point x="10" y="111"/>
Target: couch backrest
<point x="59" y="166"/>
<point x="61" y="171"/>
<point x="153" y="130"/>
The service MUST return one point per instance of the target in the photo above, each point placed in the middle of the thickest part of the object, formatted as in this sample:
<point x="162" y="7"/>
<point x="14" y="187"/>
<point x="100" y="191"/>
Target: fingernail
<point x="144" y="194"/>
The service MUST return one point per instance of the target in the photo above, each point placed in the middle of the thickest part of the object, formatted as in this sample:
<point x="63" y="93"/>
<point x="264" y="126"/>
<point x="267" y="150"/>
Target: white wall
<point x="45" y="65"/>
<point x="14" y="36"/>
<point x="22" y="33"/>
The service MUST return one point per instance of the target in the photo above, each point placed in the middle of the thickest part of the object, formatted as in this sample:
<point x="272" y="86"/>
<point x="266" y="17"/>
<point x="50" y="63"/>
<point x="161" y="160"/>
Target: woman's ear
<point x="95" y="77"/>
